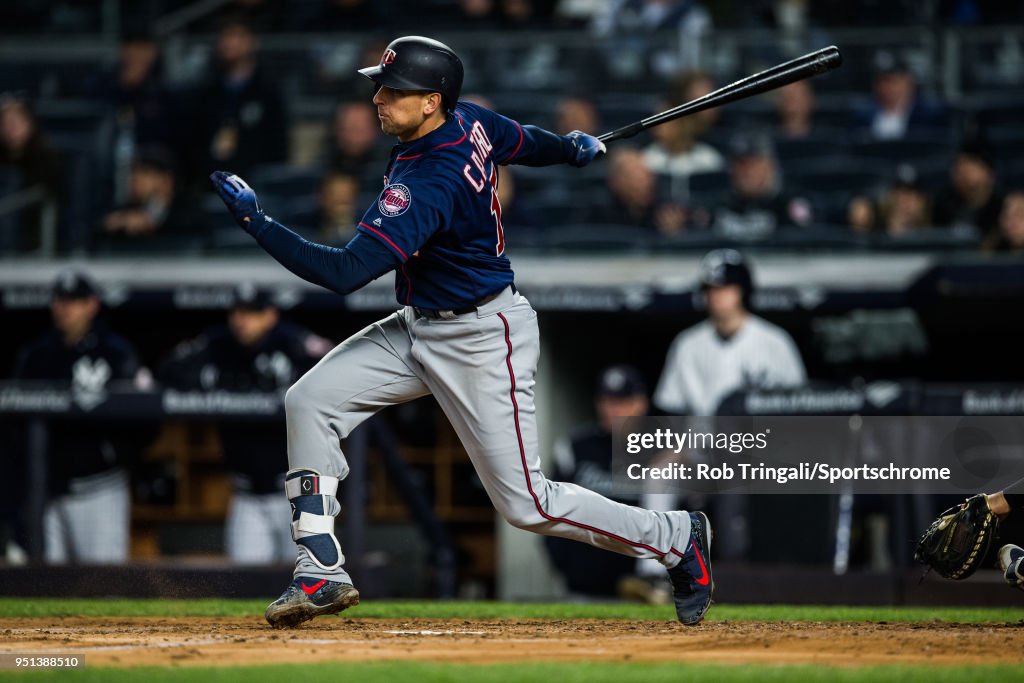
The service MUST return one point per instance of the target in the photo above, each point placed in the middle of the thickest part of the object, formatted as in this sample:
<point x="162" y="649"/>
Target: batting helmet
<point x="727" y="267"/>
<point x="418" y="63"/>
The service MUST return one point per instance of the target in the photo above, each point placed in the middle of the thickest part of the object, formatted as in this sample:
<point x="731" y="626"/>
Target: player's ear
<point x="431" y="103"/>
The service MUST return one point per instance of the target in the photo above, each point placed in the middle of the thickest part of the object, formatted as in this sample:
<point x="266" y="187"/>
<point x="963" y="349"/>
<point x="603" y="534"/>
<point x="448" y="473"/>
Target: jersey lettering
<point x="481" y="150"/>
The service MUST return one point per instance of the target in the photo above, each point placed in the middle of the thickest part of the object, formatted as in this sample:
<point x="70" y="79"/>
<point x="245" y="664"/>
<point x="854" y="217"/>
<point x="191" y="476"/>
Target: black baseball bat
<point x="811" y="64"/>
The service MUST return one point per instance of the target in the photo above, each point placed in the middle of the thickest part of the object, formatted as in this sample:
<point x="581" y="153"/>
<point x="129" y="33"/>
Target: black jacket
<point x="80" y="448"/>
<point x="255" y="452"/>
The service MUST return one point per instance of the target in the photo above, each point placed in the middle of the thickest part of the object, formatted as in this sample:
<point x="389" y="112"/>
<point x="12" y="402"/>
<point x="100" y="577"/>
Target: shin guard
<point x="314" y="505"/>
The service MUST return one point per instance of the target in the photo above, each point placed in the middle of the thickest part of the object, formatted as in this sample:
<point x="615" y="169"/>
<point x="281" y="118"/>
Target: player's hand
<point x="239" y="198"/>
<point x="585" y="148"/>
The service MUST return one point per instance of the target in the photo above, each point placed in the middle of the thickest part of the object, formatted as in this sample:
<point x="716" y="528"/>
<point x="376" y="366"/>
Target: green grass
<point x="396" y="672"/>
<point x="55" y="607"/>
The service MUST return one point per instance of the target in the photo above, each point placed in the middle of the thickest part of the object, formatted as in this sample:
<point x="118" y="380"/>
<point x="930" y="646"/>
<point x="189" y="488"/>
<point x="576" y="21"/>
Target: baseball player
<point x="86" y="518"/>
<point x="255" y="351"/>
<point x="731" y="350"/>
<point x="1005" y="504"/>
<point x="961" y="539"/>
<point x="463" y="333"/>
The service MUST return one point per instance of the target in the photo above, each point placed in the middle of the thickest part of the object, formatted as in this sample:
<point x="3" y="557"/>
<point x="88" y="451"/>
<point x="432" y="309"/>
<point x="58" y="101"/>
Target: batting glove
<point x="239" y="198"/>
<point x="585" y="148"/>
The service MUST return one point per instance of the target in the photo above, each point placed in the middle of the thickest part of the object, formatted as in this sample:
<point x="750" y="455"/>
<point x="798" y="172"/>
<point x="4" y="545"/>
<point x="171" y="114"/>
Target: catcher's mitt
<point x="956" y="543"/>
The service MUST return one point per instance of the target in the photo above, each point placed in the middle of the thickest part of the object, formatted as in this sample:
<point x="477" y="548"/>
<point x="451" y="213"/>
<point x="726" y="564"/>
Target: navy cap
<point x="73" y="284"/>
<point x="751" y="144"/>
<point x="621" y="381"/>
<point x="888" y="62"/>
<point x="251" y="298"/>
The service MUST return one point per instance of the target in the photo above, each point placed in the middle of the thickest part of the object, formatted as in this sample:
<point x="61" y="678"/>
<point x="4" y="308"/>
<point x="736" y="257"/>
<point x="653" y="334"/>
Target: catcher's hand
<point x="956" y="543"/>
<point x="239" y="198"/>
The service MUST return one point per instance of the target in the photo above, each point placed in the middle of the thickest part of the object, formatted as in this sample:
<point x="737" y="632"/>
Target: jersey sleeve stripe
<point x="516" y="150"/>
<point x="384" y="237"/>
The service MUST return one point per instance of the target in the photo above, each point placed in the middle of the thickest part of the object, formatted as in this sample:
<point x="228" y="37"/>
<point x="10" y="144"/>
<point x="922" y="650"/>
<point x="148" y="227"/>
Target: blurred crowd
<point x="883" y="160"/>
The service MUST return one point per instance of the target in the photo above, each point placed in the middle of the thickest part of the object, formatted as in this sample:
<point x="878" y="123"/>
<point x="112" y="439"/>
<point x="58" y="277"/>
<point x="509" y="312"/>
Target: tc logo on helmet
<point x="388" y="57"/>
<point x="394" y="200"/>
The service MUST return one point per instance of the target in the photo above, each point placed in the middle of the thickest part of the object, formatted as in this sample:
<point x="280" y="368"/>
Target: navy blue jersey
<point x="439" y="212"/>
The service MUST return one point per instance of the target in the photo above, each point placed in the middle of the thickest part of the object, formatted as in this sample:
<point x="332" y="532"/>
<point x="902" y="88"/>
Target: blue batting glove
<point x="239" y="198"/>
<point x="585" y="148"/>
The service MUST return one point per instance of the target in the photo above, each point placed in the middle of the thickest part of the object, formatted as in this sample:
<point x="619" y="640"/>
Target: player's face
<point x="724" y="301"/>
<point x="405" y="113"/>
<point x="249" y="326"/>
<point x="73" y="316"/>
<point x="611" y="407"/>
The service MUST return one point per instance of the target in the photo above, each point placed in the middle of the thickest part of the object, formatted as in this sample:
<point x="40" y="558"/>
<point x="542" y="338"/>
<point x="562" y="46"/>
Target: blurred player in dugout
<point x="585" y="458"/>
<point x="730" y="351"/>
<point x="86" y="517"/>
<point x="254" y="351"/>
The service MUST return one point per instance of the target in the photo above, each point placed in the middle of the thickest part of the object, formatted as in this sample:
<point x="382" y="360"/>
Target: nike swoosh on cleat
<point x="703" y="580"/>
<point x="309" y="590"/>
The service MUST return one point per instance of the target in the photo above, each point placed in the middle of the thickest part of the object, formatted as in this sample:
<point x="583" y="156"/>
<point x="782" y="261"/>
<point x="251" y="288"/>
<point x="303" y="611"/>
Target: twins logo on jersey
<point x="394" y="200"/>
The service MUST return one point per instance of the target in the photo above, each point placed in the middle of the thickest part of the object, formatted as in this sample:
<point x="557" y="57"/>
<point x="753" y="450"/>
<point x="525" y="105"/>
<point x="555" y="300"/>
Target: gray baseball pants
<point x="480" y="367"/>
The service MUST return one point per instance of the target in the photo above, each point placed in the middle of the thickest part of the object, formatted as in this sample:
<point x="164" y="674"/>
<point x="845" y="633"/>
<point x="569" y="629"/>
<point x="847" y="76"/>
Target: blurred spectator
<point x="515" y="215"/>
<point x="690" y="86"/>
<point x="241" y="119"/>
<point x="525" y="14"/>
<point x="155" y="213"/>
<point x="757" y="206"/>
<point x="973" y="200"/>
<point x="1011" y="225"/>
<point x="896" y="110"/>
<point x="134" y="86"/>
<point x="687" y="19"/>
<point x="794" y="111"/>
<point x="86" y="516"/>
<point x="144" y="109"/>
<point x="733" y="349"/>
<point x="476" y="15"/>
<point x="676" y="152"/>
<point x="24" y="148"/>
<point x="356" y="135"/>
<point x="634" y="197"/>
<point x="339" y="15"/>
<point x="254" y="351"/>
<point x="576" y="113"/>
<point x="578" y="13"/>
<point x="585" y="458"/>
<point x="261" y="15"/>
<point x="902" y="208"/>
<point x="340" y="208"/>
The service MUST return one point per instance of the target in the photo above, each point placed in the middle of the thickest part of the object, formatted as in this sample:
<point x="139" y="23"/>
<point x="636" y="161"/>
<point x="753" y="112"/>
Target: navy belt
<point x="436" y="314"/>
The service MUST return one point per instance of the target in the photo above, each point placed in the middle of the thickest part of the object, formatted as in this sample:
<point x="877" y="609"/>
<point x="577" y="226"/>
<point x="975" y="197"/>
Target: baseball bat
<point x="811" y="64"/>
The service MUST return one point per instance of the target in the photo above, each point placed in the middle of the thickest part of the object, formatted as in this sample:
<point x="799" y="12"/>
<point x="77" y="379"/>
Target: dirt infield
<point x="210" y="641"/>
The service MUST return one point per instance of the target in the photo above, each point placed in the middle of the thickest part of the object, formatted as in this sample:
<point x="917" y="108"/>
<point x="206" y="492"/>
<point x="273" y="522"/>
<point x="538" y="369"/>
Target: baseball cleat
<point x="692" y="584"/>
<point x="306" y="598"/>
<point x="1011" y="559"/>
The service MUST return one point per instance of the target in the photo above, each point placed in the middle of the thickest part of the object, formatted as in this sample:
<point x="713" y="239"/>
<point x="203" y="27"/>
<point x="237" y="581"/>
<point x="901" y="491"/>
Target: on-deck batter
<point x="463" y="334"/>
